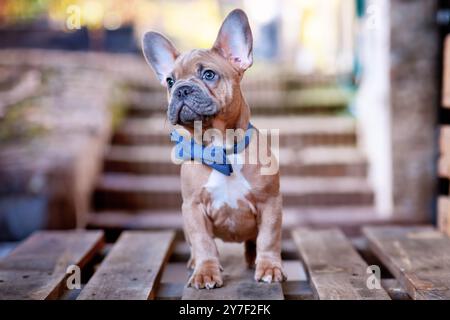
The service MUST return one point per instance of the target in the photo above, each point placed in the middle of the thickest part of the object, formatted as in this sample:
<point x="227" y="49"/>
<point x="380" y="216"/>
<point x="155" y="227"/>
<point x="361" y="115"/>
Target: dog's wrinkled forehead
<point x="189" y="64"/>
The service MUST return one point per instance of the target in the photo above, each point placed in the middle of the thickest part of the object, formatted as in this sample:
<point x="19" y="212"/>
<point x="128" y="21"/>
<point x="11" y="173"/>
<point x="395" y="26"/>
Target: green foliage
<point x="15" y="127"/>
<point x="22" y="10"/>
<point x="118" y="106"/>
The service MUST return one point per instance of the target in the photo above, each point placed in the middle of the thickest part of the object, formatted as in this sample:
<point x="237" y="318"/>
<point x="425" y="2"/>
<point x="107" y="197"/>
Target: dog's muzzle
<point x="190" y="103"/>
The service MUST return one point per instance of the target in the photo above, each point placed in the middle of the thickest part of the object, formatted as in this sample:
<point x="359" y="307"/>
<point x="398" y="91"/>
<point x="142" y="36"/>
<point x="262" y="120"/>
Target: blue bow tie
<point x="212" y="156"/>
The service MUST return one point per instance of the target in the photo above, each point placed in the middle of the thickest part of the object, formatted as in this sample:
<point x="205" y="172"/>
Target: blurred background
<point x="353" y="85"/>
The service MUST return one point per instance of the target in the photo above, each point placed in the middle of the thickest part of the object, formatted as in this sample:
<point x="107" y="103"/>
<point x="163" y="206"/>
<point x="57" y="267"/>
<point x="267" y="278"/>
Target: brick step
<point x="134" y="192"/>
<point x="313" y="161"/>
<point x="294" y="131"/>
<point x="292" y="217"/>
<point x="319" y="100"/>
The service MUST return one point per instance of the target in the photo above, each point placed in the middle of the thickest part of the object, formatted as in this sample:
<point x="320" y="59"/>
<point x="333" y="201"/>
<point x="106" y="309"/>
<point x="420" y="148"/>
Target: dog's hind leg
<point x="250" y="253"/>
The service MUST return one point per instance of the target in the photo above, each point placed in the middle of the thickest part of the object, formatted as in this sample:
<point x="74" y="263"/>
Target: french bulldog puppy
<point x="245" y="206"/>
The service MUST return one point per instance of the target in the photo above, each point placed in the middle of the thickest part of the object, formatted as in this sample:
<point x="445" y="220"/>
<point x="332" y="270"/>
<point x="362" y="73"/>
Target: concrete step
<point x="261" y="78"/>
<point x="313" y="161"/>
<point x="318" y="100"/>
<point x="294" y="131"/>
<point x="292" y="217"/>
<point x="135" y="192"/>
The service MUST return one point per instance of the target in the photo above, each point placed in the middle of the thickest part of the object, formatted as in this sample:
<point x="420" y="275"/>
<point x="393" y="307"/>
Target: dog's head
<point x="203" y="84"/>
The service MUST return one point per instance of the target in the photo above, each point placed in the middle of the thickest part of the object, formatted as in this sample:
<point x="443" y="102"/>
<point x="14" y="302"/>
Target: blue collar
<point x="212" y="156"/>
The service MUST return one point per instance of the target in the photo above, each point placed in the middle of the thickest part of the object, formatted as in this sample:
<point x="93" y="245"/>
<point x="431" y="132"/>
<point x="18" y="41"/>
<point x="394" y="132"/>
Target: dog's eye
<point x="170" y="82"/>
<point x="208" y="75"/>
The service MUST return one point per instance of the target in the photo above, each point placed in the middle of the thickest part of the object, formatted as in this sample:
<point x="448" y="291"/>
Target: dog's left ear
<point x="159" y="53"/>
<point x="235" y="40"/>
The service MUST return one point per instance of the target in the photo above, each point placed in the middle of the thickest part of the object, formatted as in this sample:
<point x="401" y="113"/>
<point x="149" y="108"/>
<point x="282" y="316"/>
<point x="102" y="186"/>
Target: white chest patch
<point x="228" y="189"/>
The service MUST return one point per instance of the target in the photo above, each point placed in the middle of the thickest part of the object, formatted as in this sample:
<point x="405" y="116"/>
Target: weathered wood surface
<point x="418" y="257"/>
<point x="395" y="289"/>
<point x="36" y="269"/>
<point x="297" y="290"/>
<point x="335" y="269"/>
<point x="132" y="269"/>
<point x="170" y="291"/>
<point x="176" y="275"/>
<point x="238" y="280"/>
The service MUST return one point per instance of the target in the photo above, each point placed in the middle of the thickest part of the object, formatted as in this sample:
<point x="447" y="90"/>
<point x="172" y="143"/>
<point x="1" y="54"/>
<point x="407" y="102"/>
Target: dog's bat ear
<point x="159" y="53"/>
<point x="235" y="40"/>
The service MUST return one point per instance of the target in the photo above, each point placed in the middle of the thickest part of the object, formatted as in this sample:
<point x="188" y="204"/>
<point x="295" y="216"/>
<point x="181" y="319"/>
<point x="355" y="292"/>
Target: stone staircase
<point x="323" y="174"/>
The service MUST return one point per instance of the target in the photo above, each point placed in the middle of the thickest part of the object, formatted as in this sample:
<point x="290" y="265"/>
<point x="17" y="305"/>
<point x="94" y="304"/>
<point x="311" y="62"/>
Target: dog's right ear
<point x="235" y="41"/>
<point x="160" y="54"/>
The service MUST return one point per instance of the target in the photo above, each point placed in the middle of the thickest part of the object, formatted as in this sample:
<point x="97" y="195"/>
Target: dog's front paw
<point x="206" y="275"/>
<point x="191" y="263"/>
<point x="268" y="271"/>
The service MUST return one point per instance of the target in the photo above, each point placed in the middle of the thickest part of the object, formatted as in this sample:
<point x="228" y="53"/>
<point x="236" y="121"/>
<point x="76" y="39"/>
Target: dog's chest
<point x="233" y="215"/>
<point x="230" y="190"/>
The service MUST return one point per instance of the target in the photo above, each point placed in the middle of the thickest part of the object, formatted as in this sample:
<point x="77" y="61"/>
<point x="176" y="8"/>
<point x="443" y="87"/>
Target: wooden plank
<point x="239" y="283"/>
<point x="174" y="278"/>
<point x="446" y="74"/>
<point x="175" y="272"/>
<point x="294" y="270"/>
<point x="395" y="289"/>
<point x="170" y="291"/>
<point x="71" y="294"/>
<point x="132" y="269"/>
<point x="297" y="290"/>
<point x="335" y="269"/>
<point x="36" y="269"/>
<point x="418" y="257"/>
<point x="444" y="214"/>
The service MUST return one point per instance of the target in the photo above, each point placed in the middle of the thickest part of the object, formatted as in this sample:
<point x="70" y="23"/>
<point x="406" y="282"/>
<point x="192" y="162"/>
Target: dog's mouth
<point x="190" y="110"/>
<point x="190" y="103"/>
<point x="184" y="113"/>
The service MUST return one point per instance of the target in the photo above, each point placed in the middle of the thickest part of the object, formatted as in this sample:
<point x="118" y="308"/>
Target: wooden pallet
<point x="151" y="265"/>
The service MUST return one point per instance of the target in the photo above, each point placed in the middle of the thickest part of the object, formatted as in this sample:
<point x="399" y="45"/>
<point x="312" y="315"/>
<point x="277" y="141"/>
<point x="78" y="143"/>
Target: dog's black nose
<point x="183" y="91"/>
